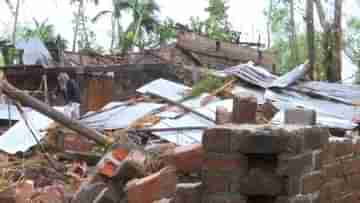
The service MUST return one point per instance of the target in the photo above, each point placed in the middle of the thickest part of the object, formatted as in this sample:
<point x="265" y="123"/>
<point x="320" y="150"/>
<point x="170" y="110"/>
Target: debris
<point x="16" y="94"/>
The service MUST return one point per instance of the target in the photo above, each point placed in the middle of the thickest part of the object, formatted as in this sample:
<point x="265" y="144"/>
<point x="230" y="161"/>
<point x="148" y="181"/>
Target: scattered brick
<point x="154" y="187"/>
<point x="186" y="158"/>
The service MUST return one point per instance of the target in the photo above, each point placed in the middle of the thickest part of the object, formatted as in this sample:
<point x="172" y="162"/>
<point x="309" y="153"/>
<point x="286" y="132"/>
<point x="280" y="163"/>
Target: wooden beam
<point x="47" y="110"/>
<point x="38" y="69"/>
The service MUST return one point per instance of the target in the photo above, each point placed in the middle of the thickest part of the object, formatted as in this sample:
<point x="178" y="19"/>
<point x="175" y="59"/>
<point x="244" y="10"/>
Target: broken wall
<point x="289" y="164"/>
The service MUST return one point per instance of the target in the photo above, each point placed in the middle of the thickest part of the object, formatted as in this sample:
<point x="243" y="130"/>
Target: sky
<point x="245" y="15"/>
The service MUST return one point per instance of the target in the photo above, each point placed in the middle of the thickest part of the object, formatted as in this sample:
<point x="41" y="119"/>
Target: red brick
<point x="222" y="115"/>
<point x="154" y="187"/>
<point x="217" y="140"/>
<point x="188" y="158"/>
<point x="311" y="182"/>
<point x="244" y="109"/>
<point x="216" y="161"/>
<point x="8" y="195"/>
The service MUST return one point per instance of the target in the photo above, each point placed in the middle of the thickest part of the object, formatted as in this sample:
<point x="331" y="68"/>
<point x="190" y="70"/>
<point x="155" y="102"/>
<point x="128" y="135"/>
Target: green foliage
<point x="217" y="25"/>
<point x="163" y="34"/>
<point x="144" y="23"/>
<point x="208" y="84"/>
<point x="197" y="25"/>
<point x="284" y="61"/>
<point x="353" y="37"/>
<point x="8" y="52"/>
<point x="166" y="31"/>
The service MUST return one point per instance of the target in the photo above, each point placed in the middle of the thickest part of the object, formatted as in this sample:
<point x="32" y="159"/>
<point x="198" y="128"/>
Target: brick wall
<point x="288" y="164"/>
<point x="340" y="171"/>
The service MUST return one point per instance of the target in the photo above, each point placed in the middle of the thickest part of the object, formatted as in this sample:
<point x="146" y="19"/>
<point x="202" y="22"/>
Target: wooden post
<point x="46" y="90"/>
<point x="57" y="116"/>
<point x="244" y="109"/>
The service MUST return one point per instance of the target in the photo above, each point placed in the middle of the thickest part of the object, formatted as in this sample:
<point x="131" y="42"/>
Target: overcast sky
<point x="245" y="15"/>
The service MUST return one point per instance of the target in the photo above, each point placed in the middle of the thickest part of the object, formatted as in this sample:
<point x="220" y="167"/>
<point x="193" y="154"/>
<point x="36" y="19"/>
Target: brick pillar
<point x="222" y="115"/>
<point x="244" y="109"/>
<point x="261" y="164"/>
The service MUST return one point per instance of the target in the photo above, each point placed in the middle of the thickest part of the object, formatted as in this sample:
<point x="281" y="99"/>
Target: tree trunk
<point x="11" y="8"/>
<point x="16" y="20"/>
<point x="310" y="36"/>
<point x="321" y="13"/>
<point x="293" y="38"/>
<point x="77" y="24"/>
<point x="269" y="24"/>
<point x="113" y="30"/>
<point x="138" y="27"/>
<point x="337" y="64"/>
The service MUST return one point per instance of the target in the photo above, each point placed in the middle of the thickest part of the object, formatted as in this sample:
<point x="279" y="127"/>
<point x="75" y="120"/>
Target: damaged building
<point x="144" y="135"/>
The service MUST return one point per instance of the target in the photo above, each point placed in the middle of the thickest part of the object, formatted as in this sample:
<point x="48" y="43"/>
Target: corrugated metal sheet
<point x="6" y="111"/>
<point x="120" y="117"/>
<point x="254" y="75"/>
<point x="167" y="89"/>
<point x="291" y="77"/>
<point x="334" y="103"/>
<point x="19" y="138"/>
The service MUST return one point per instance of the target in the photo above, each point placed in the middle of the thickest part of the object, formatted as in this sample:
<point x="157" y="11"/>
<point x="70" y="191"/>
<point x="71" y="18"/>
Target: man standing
<point x="71" y="92"/>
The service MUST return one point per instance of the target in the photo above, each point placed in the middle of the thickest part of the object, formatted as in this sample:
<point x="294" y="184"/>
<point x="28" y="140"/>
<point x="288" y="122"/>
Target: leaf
<point x="99" y="15"/>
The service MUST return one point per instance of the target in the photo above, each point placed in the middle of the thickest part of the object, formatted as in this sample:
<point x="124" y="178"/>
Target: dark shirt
<point x="72" y="93"/>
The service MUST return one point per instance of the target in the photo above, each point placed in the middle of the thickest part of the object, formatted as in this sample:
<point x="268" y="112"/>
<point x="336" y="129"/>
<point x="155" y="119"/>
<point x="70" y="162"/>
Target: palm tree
<point x="116" y="28"/>
<point x="144" y="22"/>
<point x="80" y="15"/>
